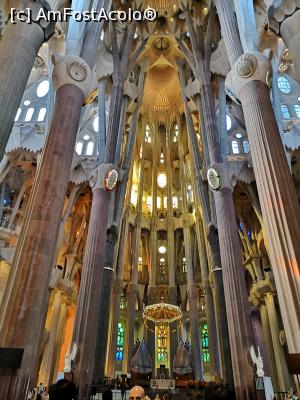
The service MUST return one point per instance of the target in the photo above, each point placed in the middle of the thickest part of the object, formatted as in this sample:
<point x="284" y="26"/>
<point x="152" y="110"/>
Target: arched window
<point x="122" y="300"/>
<point x="42" y="89"/>
<point x="147" y="134"/>
<point x="285" y="111"/>
<point x="90" y="149"/>
<point x="120" y="341"/>
<point x="246" y="146"/>
<point x="29" y="114"/>
<point x="205" y="344"/>
<point x="235" y="147"/>
<point x="18" y="114"/>
<point x="297" y="110"/>
<point x="284" y="84"/>
<point x="176" y="131"/>
<point x="79" y="147"/>
<point x="42" y="114"/>
<point x="95" y="124"/>
<point x="228" y="122"/>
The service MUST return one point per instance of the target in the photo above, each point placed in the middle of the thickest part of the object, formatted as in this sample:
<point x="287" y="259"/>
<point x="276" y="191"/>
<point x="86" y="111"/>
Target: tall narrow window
<point x="90" y="149"/>
<point x="120" y="341"/>
<point x="18" y="114"/>
<point x="147" y="134"/>
<point x="205" y="344"/>
<point x="29" y="114"/>
<point x="297" y="110"/>
<point x="235" y="147"/>
<point x="79" y="147"/>
<point x="285" y="111"/>
<point x="246" y="146"/>
<point x="162" y="343"/>
<point x="176" y="132"/>
<point x="42" y="114"/>
<point x="228" y="122"/>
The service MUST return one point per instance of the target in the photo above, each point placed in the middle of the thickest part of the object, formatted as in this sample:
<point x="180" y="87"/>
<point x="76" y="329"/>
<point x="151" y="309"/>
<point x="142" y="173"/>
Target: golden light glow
<point x="162" y="249"/>
<point x="162" y="180"/>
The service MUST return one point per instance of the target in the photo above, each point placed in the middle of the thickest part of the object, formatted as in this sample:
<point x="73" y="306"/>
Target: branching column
<point x="21" y="41"/>
<point x="192" y="289"/>
<point x="212" y="240"/>
<point x="235" y="290"/>
<point x="133" y="284"/>
<point x="277" y="195"/>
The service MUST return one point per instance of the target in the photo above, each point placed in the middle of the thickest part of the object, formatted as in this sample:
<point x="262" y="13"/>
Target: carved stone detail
<point x="99" y="176"/>
<point x="248" y="67"/>
<point x="75" y="71"/>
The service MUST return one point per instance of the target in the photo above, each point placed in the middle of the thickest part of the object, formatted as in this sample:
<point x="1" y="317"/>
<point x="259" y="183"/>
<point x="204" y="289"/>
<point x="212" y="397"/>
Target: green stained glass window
<point x="205" y="344"/>
<point x="120" y="341"/>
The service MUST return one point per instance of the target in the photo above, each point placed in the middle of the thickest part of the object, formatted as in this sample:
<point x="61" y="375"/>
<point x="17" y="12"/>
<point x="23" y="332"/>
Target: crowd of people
<point x="66" y="390"/>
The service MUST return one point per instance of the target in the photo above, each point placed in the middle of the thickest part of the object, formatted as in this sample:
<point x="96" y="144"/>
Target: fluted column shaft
<point x="24" y="310"/>
<point x="284" y="380"/>
<point x="47" y="361"/>
<point x="209" y="302"/>
<point x="279" y="203"/>
<point x="278" y="199"/>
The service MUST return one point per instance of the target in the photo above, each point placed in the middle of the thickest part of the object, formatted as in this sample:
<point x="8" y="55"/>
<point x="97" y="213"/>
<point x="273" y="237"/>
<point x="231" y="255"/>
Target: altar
<point x="162" y="384"/>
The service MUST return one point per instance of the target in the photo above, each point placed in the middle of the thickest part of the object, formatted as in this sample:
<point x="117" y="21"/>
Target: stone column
<point x="289" y="30"/>
<point x="269" y="345"/>
<point x="47" y="361"/>
<point x="278" y="199"/>
<point x="153" y="233"/>
<point x="133" y="284"/>
<point x="212" y="245"/>
<point x="21" y="41"/>
<point x="115" y="304"/>
<point x="209" y="302"/>
<point x="23" y="311"/>
<point x="284" y="379"/>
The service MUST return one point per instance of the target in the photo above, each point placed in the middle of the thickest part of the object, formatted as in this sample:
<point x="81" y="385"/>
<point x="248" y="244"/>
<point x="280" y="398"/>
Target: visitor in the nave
<point x="149" y="199"/>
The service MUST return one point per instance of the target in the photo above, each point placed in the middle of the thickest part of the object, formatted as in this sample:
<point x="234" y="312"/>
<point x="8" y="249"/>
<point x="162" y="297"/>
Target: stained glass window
<point x="284" y="84"/>
<point x="122" y="300"/>
<point x="120" y="341"/>
<point x="285" y="111"/>
<point x="205" y="344"/>
<point x="297" y="110"/>
<point x="162" y="344"/>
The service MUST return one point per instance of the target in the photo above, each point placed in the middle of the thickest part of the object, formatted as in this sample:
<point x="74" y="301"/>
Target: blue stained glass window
<point x="120" y="341"/>
<point x="283" y="84"/>
<point x="205" y="344"/>
<point x="285" y="111"/>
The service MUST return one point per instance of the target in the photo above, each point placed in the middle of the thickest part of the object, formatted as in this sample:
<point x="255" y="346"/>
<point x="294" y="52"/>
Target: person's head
<point x="63" y="389"/>
<point x="107" y="395"/>
<point x="136" y="393"/>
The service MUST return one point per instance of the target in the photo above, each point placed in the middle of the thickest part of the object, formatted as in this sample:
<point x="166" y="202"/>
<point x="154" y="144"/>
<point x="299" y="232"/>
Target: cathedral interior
<point x="150" y="187"/>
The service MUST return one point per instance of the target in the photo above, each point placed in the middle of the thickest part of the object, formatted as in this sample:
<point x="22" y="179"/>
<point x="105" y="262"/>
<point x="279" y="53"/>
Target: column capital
<point x="254" y="66"/>
<point x="105" y="177"/>
<point x="218" y="177"/>
<point x="73" y="70"/>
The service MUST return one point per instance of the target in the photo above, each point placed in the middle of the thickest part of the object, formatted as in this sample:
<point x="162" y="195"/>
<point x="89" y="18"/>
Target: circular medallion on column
<point x="246" y="65"/>
<point x="76" y="70"/>
<point x="111" y="179"/>
<point x="214" y="179"/>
